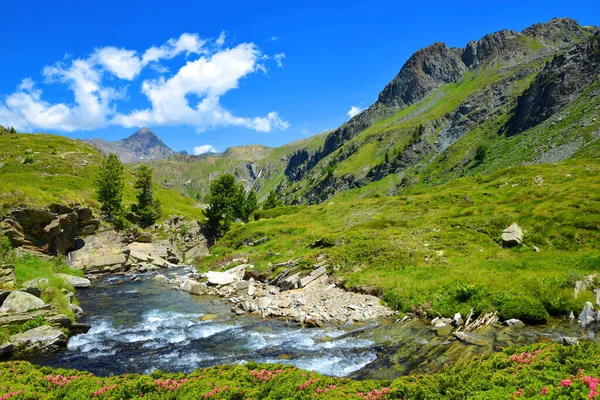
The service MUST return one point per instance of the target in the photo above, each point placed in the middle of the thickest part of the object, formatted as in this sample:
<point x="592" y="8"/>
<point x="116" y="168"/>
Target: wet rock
<point x="587" y="316"/>
<point x="470" y="338"/>
<point x="160" y="277"/>
<point x="43" y="338"/>
<point x="514" y="322"/>
<point x="77" y="327"/>
<point x="512" y="236"/>
<point x="18" y="302"/>
<point x="457" y="320"/>
<point x="7" y="276"/>
<point x="76" y="281"/>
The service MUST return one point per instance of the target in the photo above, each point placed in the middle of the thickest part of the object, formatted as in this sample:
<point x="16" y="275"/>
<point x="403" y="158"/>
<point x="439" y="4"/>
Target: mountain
<point x="516" y="97"/>
<point x="144" y="145"/>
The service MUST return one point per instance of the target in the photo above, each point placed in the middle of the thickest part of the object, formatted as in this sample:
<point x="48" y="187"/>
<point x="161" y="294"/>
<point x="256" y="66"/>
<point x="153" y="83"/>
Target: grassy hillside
<point x="549" y="371"/>
<point x="438" y="249"/>
<point x="256" y="166"/>
<point x="39" y="169"/>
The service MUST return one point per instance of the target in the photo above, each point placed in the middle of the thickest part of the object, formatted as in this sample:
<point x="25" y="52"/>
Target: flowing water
<point x="143" y="325"/>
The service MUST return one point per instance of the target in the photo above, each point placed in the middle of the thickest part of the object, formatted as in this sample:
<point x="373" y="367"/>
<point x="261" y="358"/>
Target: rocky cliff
<point x="143" y="145"/>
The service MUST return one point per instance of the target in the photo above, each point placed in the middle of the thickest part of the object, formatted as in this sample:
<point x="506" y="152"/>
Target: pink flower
<point x="566" y="383"/>
<point x="544" y="391"/>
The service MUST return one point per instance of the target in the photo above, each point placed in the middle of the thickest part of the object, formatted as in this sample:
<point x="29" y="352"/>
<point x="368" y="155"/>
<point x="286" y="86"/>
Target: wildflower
<point x="544" y="391"/>
<point x="566" y="383"/>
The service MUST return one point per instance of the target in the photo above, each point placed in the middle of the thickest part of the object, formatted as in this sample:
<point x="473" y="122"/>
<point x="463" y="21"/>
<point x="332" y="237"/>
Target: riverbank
<point x="549" y="370"/>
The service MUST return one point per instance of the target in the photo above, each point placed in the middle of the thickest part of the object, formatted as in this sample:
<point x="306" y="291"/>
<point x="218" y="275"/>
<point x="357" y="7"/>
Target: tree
<point x="109" y="185"/>
<point x="251" y="204"/>
<point x="480" y="154"/>
<point x="386" y="158"/>
<point x="272" y="201"/>
<point x="12" y="131"/>
<point x="147" y="207"/>
<point x="222" y="207"/>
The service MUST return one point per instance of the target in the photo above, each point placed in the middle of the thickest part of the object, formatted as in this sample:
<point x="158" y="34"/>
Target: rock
<point x="470" y="338"/>
<point x="242" y="285"/>
<point x="6" y="350"/>
<point x="597" y="296"/>
<point x="199" y="289"/>
<point x="77" y="328"/>
<point x="3" y="295"/>
<point x="160" y="277"/>
<point x="78" y="311"/>
<point x="587" y="316"/>
<point x="457" y="320"/>
<point x="239" y="311"/>
<point x="514" y="322"/>
<point x="209" y="317"/>
<point x="76" y="281"/>
<point x="264" y="302"/>
<point x="251" y="290"/>
<point x="312" y="276"/>
<point x="512" y="236"/>
<point x="106" y="261"/>
<point x="7" y="276"/>
<point x="10" y="319"/>
<point x="144" y="237"/>
<point x="59" y="319"/>
<point x="291" y="282"/>
<point x="220" y="278"/>
<point x="18" y="302"/>
<point x="569" y="341"/>
<point x="43" y="338"/>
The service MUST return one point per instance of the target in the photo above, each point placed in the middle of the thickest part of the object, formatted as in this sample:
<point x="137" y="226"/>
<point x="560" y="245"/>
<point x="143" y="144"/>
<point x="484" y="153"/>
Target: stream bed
<point x="138" y="326"/>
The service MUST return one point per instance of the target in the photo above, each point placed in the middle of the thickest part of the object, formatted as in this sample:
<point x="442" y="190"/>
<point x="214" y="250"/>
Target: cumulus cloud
<point x="203" y="149"/>
<point x="189" y="96"/>
<point x="354" y="111"/>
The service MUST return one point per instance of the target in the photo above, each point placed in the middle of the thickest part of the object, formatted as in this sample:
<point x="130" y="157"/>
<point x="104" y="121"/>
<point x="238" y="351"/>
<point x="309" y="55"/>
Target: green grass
<point x="548" y="371"/>
<point x="62" y="172"/>
<point x="422" y="247"/>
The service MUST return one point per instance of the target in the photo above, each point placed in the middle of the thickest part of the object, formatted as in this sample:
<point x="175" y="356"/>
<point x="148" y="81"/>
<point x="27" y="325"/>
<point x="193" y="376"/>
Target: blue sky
<point x="208" y="73"/>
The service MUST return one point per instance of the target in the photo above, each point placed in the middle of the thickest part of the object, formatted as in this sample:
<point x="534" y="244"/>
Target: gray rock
<point x="587" y="316"/>
<point x="470" y="338"/>
<point x="569" y="341"/>
<point x="457" y="320"/>
<point x="78" y="311"/>
<point x="160" y="277"/>
<point x="597" y="296"/>
<point x="513" y="322"/>
<point x="18" y="302"/>
<point x="317" y="273"/>
<point x="220" y="278"/>
<point x="251" y="290"/>
<point x="512" y="236"/>
<point x="43" y="338"/>
<point x="59" y="319"/>
<point x="9" y="319"/>
<point x="7" y="276"/>
<point x="76" y="281"/>
<point x="264" y="302"/>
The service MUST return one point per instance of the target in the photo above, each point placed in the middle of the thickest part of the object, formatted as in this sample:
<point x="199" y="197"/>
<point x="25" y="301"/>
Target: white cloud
<point x="203" y="149"/>
<point x="221" y="39"/>
<point x="273" y="38"/>
<point x="354" y="111"/>
<point x="189" y="96"/>
<point x="279" y="59"/>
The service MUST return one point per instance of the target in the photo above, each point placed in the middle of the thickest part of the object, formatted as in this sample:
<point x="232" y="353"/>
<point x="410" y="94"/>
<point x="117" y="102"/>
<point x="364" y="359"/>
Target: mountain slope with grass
<point x="39" y="169"/>
<point x="437" y="250"/>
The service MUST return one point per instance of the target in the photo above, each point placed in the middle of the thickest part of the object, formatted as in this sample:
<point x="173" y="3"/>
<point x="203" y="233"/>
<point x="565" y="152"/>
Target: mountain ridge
<point x="143" y="145"/>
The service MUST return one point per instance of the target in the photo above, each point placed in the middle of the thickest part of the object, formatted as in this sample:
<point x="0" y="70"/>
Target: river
<point x="138" y="326"/>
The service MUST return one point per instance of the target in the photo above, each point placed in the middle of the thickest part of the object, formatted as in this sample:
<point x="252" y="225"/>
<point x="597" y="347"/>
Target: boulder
<point x="220" y="278"/>
<point x="35" y="286"/>
<point x="470" y="338"/>
<point x="9" y="319"/>
<point x="587" y="316"/>
<point x="76" y="281"/>
<point x="513" y="322"/>
<point x="457" y="320"/>
<point x="7" y="276"/>
<point x="43" y="338"/>
<point x="198" y="288"/>
<point x="106" y="261"/>
<point x="20" y="302"/>
<point x="59" y="319"/>
<point x="512" y="236"/>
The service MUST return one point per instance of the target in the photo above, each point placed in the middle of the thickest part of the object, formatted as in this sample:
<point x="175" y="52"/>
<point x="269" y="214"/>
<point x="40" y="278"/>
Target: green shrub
<point x="526" y="309"/>
<point x="28" y="160"/>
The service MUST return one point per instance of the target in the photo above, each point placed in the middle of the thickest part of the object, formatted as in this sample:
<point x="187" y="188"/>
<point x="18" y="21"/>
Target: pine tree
<point x="251" y="204"/>
<point x="12" y="131"/>
<point x="109" y="185"/>
<point x="147" y="207"/>
<point x="222" y="208"/>
<point x="272" y="201"/>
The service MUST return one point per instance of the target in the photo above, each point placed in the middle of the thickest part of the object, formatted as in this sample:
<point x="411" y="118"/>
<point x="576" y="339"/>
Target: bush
<point x="28" y="160"/>
<point x="526" y="309"/>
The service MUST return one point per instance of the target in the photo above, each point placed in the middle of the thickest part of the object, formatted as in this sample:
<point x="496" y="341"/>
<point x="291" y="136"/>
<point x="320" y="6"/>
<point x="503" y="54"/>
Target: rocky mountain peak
<point x="143" y="145"/>
<point x="426" y="70"/>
